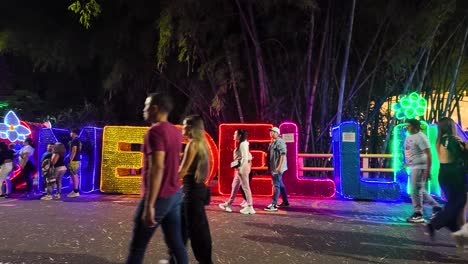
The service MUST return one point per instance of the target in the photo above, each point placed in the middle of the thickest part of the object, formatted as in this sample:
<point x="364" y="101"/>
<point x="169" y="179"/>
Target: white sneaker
<point x="244" y="204"/>
<point x="73" y="194"/>
<point x="226" y="207"/>
<point x="57" y="196"/>
<point x="247" y="210"/>
<point x="46" y="197"/>
<point x="463" y="232"/>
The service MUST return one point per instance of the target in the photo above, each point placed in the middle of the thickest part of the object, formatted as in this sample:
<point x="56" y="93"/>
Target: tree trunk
<point x="345" y="64"/>
<point x="233" y="84"/>
<point x="453" y="82"/>
<point x="262" y="77"/>
<point x="311" y="101"/>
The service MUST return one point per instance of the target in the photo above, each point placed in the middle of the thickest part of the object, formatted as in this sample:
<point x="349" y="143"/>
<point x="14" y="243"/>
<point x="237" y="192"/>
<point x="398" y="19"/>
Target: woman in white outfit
<point x="241" y="177"/>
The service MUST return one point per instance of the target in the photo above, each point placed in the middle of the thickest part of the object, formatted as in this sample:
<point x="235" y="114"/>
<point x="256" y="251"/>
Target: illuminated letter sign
<point x="258" y="136"/>
<point x="91" y="138"/>
<point x="301" y="186"/>
<point x="347" y="164"/>
<point x="122" y="158"/>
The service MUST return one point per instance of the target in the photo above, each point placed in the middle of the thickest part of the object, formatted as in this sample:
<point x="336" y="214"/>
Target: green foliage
<point x="85" y="115"/>
<point x="165" y="34"/>
<point x="90" y="10"/>
<point x="26" y="104"/>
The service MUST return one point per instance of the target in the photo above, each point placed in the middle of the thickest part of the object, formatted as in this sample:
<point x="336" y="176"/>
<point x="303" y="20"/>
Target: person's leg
<point x="140" y="238"/>
<point x="417" y="186"/>
<point x="246" y="186"/>
<point x="74" y="171"/>
<point x="277" y="187"/>
<point x="49" y="188"/>
<point x="9" y="169"/>
<point x="242" y="190"/>
<point x="183" y="220"/>
<point x="3" y="175"/>
<point x="462" y="216"/>
<point x="243" y="193"/>
<point x="456" y="199"/>
<point x="426" y="198"/>
<point x="236" y="182"/>
<point x="172" y="227"/>
<point x="59" y="179"/>
<point x="198" y="228"/>
<point x="284" y="194"/>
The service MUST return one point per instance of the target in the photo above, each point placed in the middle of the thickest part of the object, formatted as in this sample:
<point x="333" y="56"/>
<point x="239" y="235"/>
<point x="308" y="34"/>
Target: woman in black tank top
<point x="194" y="170"/>
<point x="451" y="179"/>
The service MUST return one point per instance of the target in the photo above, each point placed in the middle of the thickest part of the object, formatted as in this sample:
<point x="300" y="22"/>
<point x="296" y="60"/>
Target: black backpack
<point x="458" y="148"/>
<point x="47" y="170"/>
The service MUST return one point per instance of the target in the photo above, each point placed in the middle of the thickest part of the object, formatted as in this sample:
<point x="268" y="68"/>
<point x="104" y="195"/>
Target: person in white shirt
<point x="241" y="177"/>
<point x="26" y="156"/>
<point x="419" y="158"/>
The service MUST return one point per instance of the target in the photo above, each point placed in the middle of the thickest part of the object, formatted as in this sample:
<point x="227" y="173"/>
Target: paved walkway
<point x="96" y="229"/>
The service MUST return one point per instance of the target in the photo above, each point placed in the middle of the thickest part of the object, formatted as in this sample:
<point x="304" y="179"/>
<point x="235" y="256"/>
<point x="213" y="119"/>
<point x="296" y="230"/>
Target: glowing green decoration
<point x="4" y="104"/>
<point x="410" y="106"/>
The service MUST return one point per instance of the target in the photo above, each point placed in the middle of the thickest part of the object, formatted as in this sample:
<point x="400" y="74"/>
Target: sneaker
<point x="459" y="239"/>
<point x="271" y="208"/>
<point x="243" y="204"/>
<point x="247" y="210"/>
<point x="463" y="232"/>
<point x="435" y="210"/>
<point x="73" y="194"/>
<point x="46" y="197"/>
<point x="415" y="218"/>
<point x="57" y="196"/>
<point x="283" y="204"/>
<point x="226" y="207"/>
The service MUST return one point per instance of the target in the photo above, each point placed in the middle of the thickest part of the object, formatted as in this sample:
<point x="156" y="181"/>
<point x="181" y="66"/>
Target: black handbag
<point x="235" y="164"/>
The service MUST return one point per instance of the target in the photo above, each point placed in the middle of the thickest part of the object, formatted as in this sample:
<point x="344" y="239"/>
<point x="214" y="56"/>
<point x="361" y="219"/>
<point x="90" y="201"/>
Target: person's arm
<point x="24" y="159"/>
<point x="187" y="160"/>
<point x="244" y="152"/>
<point x="54" y="158"/>
<point x="155" y="174"/>
<point x="73" y="152"/>
<point x="282" y="150"/>
<point x="429" y="163"/>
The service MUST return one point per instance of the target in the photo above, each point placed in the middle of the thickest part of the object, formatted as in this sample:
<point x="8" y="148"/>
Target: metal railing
<point x="302" y="156"/>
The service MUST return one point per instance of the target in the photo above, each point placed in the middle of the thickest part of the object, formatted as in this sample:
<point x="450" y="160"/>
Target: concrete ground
<point x="96" y="228"/>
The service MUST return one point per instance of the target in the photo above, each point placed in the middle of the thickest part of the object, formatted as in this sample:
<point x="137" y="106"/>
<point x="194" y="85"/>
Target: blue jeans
<point x="167" y="214"/>
<point x="279" y="188"/>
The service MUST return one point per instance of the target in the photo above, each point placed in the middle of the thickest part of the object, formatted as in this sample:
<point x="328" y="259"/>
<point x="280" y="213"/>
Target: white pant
<point x="5" y="171"/>
<point x="241" y="178"/>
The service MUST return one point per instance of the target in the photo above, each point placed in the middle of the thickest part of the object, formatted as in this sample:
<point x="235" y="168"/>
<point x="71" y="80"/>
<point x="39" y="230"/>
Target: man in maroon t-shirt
<point x="162" y="196"/>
